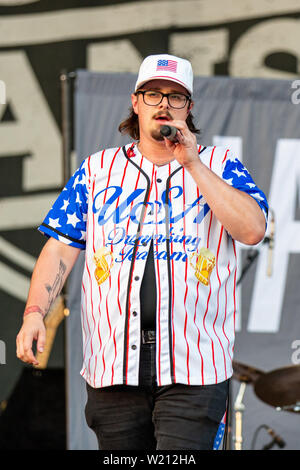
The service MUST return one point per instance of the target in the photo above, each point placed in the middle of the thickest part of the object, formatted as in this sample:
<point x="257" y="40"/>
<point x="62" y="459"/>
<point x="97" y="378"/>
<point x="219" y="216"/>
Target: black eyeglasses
<point x="154" y="98"/>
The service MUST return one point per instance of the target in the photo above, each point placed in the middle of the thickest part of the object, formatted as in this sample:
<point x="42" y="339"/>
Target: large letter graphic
<point x="268" y="292"/>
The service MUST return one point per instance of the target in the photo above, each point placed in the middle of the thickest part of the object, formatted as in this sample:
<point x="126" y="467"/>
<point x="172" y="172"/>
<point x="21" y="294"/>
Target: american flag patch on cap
<point x="168" y="65"/>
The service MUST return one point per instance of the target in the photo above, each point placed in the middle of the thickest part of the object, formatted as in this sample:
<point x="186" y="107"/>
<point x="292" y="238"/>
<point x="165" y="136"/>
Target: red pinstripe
<point x="196" y="304"/>
<point x="234" y="288"/>
<point x="158" y="293"/>
<point x="225" y="156"/>
<point x="129" y="294"/>
<point x="93" y="230"/>
<point x="225" y="314"/>
<point x="83" y="286"/>
<point x="211" y="157"/>
<point x="93" y="192"/>
<point x="93" y="221"/>
<point x="211" y="215"/>
<point x="197" y="298"/>
<point x="209" y="227"/>
<point x="100" y="294"/>
<point x="173" y="291"/>
<point x="209" y="295"/>
<point x="118" y="295"/>
<point x="186" y="288"/>
<point x="218" y="296"/>
<point x="90" y="278"/>
<point x="212" y="343"/>
<point x="102" y="155"/>
<point x="113" y="364"/>
<point x="103" y="234"/>
<point x="89" y="167"/>
<point x="85" y="334"/>
<point x="131" y="204"/>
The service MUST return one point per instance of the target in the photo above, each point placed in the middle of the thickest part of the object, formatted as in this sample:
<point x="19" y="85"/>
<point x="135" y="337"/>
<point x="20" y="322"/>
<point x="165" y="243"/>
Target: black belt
<point x="148" y="336"/>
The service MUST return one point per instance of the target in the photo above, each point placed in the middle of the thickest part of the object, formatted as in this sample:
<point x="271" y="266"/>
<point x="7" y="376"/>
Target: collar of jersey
<point x="148" y="165"/>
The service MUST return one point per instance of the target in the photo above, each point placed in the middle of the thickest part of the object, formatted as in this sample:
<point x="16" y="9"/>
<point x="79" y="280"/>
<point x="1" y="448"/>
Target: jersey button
<point x="134" y="313"/>
<point x="136" y="278"/>
<point x="159" y="180"/>
<point x="133" y="347"/>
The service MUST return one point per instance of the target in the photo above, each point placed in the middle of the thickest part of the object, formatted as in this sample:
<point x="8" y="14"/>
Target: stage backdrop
<point x="259" y="119"/>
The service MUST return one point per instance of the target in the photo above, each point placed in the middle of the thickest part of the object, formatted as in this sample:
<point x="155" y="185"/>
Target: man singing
<point x="158" y="220"/>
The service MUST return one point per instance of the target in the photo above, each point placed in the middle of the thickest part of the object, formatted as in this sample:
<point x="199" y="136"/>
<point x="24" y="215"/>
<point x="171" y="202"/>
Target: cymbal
<point x="280" y="387"/>
<point x="245" y="373"/>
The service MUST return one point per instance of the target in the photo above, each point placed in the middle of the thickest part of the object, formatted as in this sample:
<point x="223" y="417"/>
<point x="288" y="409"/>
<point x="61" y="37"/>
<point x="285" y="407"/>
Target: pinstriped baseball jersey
<point x="113" y="206"/>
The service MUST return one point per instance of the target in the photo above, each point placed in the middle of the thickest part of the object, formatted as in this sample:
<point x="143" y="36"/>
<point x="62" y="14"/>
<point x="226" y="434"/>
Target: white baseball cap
<point x="166" y="67"/>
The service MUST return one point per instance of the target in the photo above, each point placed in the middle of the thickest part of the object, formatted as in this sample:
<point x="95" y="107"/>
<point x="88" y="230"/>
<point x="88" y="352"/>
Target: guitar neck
<point x="43" y="357"/>
<point x="52" y="321"/>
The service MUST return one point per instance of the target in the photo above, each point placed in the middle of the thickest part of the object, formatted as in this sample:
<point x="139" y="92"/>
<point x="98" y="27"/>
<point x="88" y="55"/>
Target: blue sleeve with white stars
<point x="66" y="220"/>
<point x="235" y="174"/>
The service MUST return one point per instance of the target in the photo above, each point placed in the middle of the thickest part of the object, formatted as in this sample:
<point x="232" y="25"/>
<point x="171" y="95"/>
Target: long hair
<point x="130" y="125"/>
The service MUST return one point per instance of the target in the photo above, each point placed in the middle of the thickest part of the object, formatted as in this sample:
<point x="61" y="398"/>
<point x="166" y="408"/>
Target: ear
<point x="134" y="102"/>
<point x="191" y="105"/>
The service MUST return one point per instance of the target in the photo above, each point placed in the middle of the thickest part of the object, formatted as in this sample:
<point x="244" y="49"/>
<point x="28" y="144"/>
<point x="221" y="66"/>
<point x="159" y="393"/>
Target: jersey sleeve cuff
<point x="60" y="236"/>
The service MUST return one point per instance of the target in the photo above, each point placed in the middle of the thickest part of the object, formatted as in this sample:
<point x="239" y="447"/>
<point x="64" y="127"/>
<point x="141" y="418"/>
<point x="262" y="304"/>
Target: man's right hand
<point x="47" y="280"/>
<point x="33" y="328"/>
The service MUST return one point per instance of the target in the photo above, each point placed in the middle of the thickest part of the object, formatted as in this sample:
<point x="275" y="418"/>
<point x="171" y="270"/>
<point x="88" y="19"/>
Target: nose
<point x="164" y="103"/>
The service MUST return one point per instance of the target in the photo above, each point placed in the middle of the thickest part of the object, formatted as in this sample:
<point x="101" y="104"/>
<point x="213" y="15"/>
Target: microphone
<point x="271" y="244"/>
<point x="169" y="132"/>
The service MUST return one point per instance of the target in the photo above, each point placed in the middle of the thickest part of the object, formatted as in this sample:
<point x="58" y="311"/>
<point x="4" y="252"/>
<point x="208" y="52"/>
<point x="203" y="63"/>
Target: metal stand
<point x="66" y="104"/>
<point x="66" y="80"/>
<point x="239" y="408"/>
<point x="295" y="407"/>
<point x="251" y="257"/>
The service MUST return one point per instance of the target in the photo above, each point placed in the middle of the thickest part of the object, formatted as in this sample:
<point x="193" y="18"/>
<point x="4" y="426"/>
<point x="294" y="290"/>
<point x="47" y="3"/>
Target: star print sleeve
<point x="236" y="175"/>
<point x="66" y="220"/>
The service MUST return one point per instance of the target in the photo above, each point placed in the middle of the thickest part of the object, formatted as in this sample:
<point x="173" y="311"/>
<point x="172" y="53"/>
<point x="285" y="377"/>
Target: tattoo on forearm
<point x="55" y="289"/>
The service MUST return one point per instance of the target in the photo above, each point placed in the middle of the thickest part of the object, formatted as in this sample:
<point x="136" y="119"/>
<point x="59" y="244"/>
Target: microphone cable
<point x="276" y="439"/>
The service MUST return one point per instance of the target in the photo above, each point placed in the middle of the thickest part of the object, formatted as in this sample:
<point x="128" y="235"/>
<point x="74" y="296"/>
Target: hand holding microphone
<point x="183" y="144"/>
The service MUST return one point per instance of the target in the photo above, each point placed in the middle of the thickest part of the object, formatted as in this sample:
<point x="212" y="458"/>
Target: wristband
<point x="33" y="309"/>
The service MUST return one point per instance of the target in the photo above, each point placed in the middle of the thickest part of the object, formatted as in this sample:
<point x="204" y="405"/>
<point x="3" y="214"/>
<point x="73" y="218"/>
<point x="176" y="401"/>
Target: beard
<point x="155" y="132"/>
<point x="156" y="135"/>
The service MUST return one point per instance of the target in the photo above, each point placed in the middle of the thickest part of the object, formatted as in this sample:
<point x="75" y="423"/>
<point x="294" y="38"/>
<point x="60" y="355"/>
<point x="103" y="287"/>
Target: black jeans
<point x="148" y="417"/>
